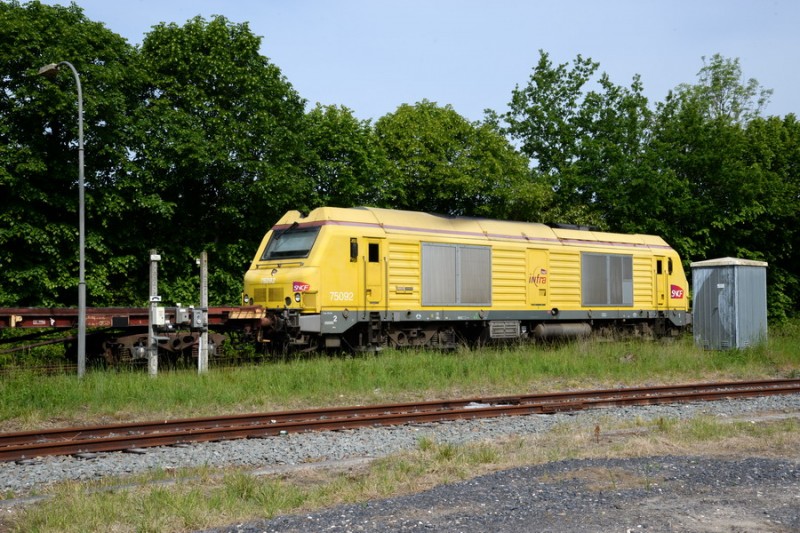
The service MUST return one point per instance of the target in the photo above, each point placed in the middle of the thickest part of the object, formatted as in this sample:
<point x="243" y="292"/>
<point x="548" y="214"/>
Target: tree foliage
<point x="587" y="144"/>
<point x="217" y="146"/>
<point x="39" y="152"/>
<point x="723" y="94"/>
<point x="343" y="162"/>
<point x="440" y="162"/>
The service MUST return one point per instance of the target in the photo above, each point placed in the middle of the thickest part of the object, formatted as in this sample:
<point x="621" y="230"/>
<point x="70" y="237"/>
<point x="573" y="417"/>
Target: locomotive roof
<point x="399" y="221"/>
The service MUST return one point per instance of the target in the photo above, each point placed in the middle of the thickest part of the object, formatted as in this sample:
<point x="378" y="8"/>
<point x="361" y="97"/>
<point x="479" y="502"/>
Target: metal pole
<point x="152" y="341"/>
<point x="202" y="356"/>
<point x="50" y="70"/>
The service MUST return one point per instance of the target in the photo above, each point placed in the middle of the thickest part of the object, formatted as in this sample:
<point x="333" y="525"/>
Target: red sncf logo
<point x="676" y="292"/>
<point x="299" y="286"/>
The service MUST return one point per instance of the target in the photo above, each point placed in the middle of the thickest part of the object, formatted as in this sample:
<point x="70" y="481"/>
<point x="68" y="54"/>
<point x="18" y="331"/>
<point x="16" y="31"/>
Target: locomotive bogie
<point x="174" y="346"/>
<point x="364" y="278"/>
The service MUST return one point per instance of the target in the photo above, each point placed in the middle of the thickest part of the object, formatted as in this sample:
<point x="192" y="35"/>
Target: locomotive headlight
<point x="288" y="301"/>
<point x="297" y="297"/>
<point x="246" y="300"/>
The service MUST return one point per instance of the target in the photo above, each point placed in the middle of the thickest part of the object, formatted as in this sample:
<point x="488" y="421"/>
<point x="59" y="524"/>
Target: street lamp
<point x="50" y="71"/>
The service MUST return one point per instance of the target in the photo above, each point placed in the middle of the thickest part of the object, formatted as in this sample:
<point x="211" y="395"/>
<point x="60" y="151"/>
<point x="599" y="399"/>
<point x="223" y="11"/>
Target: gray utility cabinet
<point x="729" y="303"/>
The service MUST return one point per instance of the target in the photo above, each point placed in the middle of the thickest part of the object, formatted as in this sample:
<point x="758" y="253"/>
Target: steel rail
<point x="117" y="437"/>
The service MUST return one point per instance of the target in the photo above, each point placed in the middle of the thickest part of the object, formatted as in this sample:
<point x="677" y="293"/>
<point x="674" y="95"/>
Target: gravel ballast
<point x="665" y="494"/>
<point x="514" y="498"/>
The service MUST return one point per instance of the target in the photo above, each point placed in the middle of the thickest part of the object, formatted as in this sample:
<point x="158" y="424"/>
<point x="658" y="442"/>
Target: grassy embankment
<point x="31" y="401"/>
<point x="201" y="498"/>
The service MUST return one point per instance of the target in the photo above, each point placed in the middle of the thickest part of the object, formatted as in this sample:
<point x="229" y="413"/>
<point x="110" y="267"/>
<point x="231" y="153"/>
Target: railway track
<point x="135" y="436"/>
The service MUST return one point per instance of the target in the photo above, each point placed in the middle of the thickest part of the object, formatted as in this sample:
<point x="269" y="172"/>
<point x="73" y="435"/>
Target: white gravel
<point x="292" y="449"/>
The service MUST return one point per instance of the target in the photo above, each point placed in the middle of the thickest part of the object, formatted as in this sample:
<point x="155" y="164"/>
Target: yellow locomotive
<point x="363" y="278"/>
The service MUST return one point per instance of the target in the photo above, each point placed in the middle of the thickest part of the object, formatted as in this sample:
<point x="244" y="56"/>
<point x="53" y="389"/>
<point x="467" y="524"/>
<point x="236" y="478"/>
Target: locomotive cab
<point x="309" y="274"/>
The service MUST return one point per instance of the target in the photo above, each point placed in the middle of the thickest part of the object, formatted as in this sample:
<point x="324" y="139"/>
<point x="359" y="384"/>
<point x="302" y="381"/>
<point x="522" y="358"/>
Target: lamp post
<point x="50" y="71"/>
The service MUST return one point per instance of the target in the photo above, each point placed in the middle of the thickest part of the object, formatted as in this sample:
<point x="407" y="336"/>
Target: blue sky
<point x="374" y="55"/>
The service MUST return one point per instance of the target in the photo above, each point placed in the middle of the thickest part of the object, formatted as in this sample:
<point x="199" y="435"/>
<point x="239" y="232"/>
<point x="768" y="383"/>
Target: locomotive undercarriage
<point x="286" y="331"/>
<point x="172" y="347"/>
<point x="283" y="335"/>
<point x="374" y="334"/>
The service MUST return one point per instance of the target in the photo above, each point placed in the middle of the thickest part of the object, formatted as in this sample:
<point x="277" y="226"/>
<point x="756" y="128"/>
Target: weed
<point x="665" y="425"/>
<point x="425" y="444"/>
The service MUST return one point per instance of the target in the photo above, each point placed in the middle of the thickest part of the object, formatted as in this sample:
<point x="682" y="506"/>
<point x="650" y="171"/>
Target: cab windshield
<point x="291" y="243"/>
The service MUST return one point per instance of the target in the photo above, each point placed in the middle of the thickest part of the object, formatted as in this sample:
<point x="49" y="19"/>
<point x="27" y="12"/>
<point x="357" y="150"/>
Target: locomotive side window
<point x="374" y="253"/>
<point x="607" y="279"/>
<point x="290" y="243"/>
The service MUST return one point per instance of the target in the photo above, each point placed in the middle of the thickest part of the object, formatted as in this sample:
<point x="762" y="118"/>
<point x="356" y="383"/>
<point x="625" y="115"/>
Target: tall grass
<point x="28" y="400"/>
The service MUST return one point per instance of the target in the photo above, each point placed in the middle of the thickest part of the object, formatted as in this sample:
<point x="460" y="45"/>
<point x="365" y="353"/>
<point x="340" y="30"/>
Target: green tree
<point x="218" y="151"/>
<point x="723" y="94"/>
<point x="588" y="145"/>
<point x="701" y="141"/>
<point x="440" y="162"/>
<point x="772" y="157"/>
<point x="344" y="163"/>
<point x="611" y="169"/>
<point x="543" y="115"/>
<point x="737" y="173"/>
<point x="39" y="156"/>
